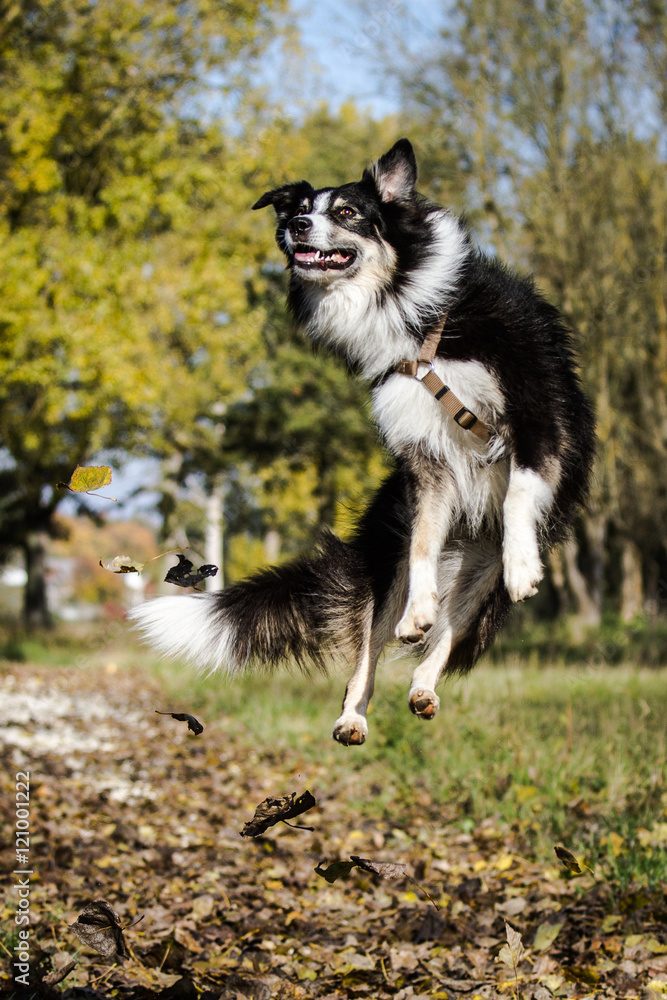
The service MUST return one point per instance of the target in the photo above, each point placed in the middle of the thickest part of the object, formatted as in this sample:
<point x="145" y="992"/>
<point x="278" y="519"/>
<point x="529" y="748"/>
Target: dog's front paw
<point x="417" y="619"/>
<point x="423" y="703"/>
<point x="351" y="730"/>
<point x="522" y="572"/>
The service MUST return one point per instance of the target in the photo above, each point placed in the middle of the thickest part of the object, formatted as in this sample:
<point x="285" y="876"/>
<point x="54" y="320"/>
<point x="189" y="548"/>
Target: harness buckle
<point x="432" y="368"/>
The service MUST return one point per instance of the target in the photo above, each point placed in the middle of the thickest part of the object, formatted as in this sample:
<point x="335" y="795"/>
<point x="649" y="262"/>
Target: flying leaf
<point x="122" y="564"/>
<point x="278" y="810"/>
<point x="125" y="564"/>
<point x="182" y="575"/>
<point x="570" y="862"/>
<point x="193" y="724"/>
<point x="98" y="926"/>
<point x="385" y="869"/>
<point x="87" y="478"/>
<point x="337" y="869"/>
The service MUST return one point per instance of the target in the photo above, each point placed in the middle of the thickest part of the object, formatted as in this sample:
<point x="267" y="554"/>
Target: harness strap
<point x="464" y="417"/>
<point x="428" y="351"/>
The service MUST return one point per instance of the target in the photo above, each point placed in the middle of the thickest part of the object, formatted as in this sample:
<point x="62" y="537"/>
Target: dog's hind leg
<point x="472" y="606"/>
<point x="351" y="727"/>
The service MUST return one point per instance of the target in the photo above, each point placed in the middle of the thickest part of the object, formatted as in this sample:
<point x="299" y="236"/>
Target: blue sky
<point x="342" y="39"/>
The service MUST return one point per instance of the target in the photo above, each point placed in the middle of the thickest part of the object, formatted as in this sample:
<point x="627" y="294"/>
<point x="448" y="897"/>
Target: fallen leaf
<point x="545" y="935"/>
<point x="277" y="810"/>
<point x="58" y="975"/>
<point x="513" y="952"/>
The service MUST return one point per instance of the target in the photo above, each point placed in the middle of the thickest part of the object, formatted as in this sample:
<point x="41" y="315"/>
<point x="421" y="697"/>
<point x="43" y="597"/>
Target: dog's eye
<point x="346" y="212"/>
<point x="302" y="211"/>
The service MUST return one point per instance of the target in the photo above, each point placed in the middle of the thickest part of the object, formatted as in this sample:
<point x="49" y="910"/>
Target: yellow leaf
<point x="504" y="862"/>
<point x="657" y="985"/>
<point x="545" y="935"/>
<point x="88" y="477"/>
<point x="552" y="982"/>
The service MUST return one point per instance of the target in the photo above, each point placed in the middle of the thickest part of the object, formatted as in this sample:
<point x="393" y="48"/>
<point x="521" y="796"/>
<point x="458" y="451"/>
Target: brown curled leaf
<point x="185" y="574"/>
<point x="570" y="862"/>
<point x="385" y="869"/>
<point x="336" y="870"/>
<point x="194" y="725"/>
<point x="277" y="810"/>
<point x="98" y="925"/>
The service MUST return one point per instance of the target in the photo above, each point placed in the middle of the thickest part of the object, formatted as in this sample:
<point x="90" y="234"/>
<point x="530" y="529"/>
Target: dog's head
<point x="339" y="232"/>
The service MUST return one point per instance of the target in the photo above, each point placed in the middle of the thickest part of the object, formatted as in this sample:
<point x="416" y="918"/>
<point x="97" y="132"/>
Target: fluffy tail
<point x="304" y="612"/>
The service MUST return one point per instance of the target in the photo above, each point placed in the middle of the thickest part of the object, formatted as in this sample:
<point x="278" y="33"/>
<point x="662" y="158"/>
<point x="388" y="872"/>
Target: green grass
<point x="554" y="754"/>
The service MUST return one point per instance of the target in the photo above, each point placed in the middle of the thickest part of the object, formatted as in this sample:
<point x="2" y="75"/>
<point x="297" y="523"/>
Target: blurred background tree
<point x="126" y="238"/>
<point x="556" y="115"/>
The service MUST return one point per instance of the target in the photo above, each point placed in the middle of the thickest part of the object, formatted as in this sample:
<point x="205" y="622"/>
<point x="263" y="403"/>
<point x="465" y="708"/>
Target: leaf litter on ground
<point x="152" y="825"/>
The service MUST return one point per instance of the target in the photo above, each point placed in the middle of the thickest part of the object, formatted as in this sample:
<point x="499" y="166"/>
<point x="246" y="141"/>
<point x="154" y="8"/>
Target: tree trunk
<point x="588" y="611"/>
<point x="35" y="605"/>
<point x="213" y="543"/>
<point x="631" y="586"/>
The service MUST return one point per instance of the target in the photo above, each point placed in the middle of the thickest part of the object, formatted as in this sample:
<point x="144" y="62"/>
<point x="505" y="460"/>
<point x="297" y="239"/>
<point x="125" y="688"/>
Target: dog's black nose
<point x="300" y="226"/>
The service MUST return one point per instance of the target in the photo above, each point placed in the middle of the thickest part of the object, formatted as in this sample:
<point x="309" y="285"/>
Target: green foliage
<point x="125" y="235"/>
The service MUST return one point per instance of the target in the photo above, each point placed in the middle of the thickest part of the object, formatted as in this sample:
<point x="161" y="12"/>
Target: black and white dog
<point x="475" y="393"/>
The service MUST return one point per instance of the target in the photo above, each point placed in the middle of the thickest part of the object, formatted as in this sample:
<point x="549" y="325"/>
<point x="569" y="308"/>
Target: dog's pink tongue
<point x="306" y="257"/>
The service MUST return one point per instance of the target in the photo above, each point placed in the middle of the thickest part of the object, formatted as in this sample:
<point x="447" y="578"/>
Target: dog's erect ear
<point x="267" y="198"/>
<point x="285" y="198"/>
<point x="395" y="173"/>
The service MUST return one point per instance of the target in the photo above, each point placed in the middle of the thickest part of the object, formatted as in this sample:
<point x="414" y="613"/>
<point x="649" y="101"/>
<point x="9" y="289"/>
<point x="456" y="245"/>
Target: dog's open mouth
<point x="323" y="260"/>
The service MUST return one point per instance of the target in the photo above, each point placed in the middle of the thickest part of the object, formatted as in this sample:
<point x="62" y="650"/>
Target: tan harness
<point x="461" y="414"/>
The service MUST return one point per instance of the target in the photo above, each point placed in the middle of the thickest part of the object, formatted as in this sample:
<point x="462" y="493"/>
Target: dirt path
<point x="127" y="806"/>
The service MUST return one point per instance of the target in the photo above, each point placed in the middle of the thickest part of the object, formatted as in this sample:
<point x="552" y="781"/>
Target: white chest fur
<point x="411" y="418"/>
